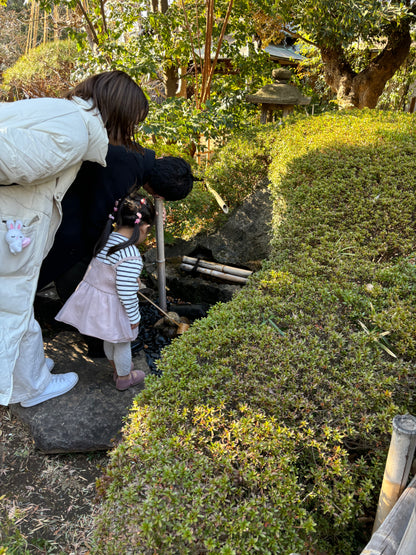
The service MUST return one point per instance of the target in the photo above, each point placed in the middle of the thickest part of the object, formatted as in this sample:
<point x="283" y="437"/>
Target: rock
<point x="243" y="241"/>
<point x="90" y="416"/>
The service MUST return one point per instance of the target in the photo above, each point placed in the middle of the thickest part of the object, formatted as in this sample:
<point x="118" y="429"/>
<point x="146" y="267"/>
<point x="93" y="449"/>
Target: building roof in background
<point x="284" y="53"/>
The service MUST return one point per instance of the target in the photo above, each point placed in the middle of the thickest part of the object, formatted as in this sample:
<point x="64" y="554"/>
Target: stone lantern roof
<point x="278" y="96"/>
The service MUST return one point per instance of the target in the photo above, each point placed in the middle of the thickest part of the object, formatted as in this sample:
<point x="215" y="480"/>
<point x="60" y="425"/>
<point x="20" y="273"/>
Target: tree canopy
<point x="176" y="44"/>
<point x="362" y="43"/>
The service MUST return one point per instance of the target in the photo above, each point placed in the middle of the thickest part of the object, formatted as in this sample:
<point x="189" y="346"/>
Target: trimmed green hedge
<point x="269" y="428"/>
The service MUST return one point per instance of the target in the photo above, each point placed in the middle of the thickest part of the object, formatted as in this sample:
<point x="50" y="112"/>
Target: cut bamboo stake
<point x="218" y="267"/>
<point x="160" y="253"/>
<point x="399" y="461"/>
<point x="214" y="273"/>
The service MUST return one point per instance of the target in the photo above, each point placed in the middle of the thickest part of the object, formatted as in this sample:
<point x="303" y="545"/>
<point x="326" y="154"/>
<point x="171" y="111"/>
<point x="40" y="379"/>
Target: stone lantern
<point x="278" y="96"/>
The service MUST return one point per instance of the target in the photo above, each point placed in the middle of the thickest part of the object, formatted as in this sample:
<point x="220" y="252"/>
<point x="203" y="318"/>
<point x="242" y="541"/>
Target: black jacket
<point x="87" y="204"/>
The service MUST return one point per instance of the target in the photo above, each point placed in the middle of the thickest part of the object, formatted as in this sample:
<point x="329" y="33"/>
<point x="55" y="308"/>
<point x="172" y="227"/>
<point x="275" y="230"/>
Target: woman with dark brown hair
<point x="43" y="142"/>
<point x="121" y="103"/>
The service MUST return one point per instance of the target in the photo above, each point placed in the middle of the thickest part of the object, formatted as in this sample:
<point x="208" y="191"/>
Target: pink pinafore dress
<point x="95" y="308"/>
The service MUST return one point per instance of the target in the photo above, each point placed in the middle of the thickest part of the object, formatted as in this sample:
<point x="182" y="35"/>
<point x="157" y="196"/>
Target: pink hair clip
<point x="115" y="206"/>
<point x="139" y="217"/>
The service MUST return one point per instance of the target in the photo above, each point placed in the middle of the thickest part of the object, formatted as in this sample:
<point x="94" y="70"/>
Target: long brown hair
<point x="120" y="101"/>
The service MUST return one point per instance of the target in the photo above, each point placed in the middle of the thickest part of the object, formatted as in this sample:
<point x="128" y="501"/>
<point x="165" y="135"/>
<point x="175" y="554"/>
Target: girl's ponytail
<point x="106" y="231"/>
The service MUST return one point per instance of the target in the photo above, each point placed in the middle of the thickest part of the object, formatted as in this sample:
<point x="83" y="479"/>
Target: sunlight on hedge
<point x="270" y="425"/>
<point x="44" y="71"/>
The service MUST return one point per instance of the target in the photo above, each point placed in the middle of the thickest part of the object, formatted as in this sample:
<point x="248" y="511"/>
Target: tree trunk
<point x="160" y="6"/>
<point x="170" y="77"/>
<point x="362" y="90"/>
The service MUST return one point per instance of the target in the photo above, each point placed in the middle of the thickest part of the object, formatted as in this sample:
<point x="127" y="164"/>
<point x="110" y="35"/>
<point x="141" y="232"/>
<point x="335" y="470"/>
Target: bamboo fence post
<point x="387" y="539"/>
<point x="160" y="254"/>
<point x="399" y="461"/>
<point x="408" y="544"/>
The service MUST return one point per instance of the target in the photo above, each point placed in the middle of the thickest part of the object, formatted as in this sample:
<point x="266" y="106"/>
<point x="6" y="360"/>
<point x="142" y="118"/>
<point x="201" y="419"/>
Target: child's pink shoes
<point x="135" y="377"/>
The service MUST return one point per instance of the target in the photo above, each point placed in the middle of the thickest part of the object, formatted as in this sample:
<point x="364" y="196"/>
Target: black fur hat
<point x="171" y="178"/>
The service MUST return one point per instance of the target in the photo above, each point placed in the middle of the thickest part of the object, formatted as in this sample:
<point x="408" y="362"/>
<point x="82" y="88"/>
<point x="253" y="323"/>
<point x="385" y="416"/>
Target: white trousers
<point x="31" y="375"/>
<point x="120" y="354"/>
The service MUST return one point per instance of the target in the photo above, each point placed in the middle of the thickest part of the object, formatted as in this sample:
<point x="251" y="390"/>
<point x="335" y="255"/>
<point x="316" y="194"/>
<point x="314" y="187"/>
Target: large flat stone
<point x="90" y="416"/>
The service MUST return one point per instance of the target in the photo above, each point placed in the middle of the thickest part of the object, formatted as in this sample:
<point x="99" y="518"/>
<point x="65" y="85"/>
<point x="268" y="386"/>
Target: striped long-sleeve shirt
<point x="127" y="274"/>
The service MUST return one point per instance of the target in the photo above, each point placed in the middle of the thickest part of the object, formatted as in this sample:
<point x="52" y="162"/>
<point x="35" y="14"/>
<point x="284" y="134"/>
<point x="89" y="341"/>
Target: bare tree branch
<point x="89" y="22"/>
<point x="220" y="41"/>
<point x="102" y="10"/>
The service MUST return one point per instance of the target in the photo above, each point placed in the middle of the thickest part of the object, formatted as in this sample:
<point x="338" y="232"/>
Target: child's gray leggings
<point x="120" y="353"/>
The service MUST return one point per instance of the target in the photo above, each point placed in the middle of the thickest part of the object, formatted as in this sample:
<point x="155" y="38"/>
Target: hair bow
<point x="139" y="217"/>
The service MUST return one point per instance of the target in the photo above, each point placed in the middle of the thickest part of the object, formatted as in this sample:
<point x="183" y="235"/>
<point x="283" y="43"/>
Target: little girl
<point x="105" y="303"/>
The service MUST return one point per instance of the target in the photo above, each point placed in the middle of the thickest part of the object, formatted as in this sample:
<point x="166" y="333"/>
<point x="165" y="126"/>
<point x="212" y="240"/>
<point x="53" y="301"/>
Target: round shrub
<point x="44" y="71"/>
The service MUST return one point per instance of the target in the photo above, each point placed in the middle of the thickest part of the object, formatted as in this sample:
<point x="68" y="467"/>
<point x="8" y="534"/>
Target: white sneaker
<point x="59" y="384"/>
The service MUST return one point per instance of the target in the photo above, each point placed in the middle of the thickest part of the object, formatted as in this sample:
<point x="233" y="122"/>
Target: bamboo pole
<point x="30" y="30"/>
<point x="215" y="266"/>
<point x="408" y="544"/>
<point x="35" y="25"/>
<point x="214" y="273"/>
<point x="160" y="253"/>
<point x="45" y="27"/>
<point x="390" y="534"/>
<point x="399" y="461"/>
<point x="55" y="23"/>
<point x="218" y="198"/>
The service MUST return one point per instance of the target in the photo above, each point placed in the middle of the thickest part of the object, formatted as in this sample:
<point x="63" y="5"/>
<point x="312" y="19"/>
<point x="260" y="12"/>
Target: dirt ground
<point x="46" y="501"/>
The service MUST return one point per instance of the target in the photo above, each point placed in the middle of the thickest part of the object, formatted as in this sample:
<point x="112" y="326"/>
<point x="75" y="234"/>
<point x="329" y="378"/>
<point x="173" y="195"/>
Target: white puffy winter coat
<point x="42" y="145"/>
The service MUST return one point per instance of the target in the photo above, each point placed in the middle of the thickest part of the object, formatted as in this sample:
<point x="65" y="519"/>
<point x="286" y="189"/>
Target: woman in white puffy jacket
<point x="43" y="142"/>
